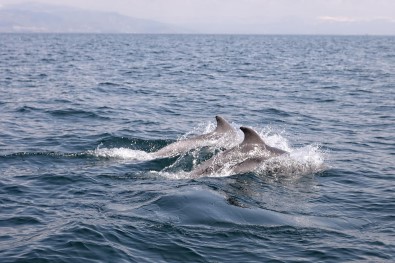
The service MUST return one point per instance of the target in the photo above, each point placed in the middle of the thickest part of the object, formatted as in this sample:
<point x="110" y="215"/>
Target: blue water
<point x="79" y="115"/>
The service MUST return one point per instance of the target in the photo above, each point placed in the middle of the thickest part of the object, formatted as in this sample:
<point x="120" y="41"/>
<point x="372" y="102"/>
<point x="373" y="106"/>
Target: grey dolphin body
<point x="245" y="157"/>
<point x="223" y="131"/>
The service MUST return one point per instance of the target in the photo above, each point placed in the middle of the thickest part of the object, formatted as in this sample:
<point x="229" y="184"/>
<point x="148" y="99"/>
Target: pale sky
<point x="311" y="16"/>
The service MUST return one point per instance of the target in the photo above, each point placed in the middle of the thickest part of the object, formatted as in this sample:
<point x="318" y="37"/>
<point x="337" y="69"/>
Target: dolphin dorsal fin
<point x="251" y="136"/>
<point x="222" y="125"/>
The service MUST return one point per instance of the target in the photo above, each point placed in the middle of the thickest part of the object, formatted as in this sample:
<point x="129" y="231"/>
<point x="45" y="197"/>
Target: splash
<point x="224" y="142"/>
<point x="300" y="161"/>
<point x="201" y="128"/>
<point x="121" y="153"/>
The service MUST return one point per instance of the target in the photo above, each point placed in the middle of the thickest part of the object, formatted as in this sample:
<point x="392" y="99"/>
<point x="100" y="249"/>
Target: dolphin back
<point x="251" y="136"/>
<point x="223" y="126"/>
<point x="223" y="130"/>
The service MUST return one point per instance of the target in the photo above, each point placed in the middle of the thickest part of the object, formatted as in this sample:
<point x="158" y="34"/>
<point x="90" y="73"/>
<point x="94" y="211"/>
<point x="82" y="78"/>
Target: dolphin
<point x="223" y="131"/>
<point x="245" y="157"/>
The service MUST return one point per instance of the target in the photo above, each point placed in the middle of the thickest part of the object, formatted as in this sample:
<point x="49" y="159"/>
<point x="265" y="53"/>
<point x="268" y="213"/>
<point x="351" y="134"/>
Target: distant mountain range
<point x="43" y="18"/>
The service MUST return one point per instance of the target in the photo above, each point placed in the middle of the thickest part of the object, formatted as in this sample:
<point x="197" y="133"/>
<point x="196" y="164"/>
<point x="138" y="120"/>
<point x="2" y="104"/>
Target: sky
<point x="253" y="16"/>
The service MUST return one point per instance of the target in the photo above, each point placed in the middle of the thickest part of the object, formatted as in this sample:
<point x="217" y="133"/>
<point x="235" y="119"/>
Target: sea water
<point x="81" y="113"/>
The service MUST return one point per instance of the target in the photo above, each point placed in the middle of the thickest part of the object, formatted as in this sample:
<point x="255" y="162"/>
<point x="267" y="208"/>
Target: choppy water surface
<point x="81" y="113"/>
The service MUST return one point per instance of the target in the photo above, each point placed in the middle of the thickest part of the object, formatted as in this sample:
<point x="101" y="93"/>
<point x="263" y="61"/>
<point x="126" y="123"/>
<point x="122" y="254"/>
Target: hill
<point x="34" y="17"/>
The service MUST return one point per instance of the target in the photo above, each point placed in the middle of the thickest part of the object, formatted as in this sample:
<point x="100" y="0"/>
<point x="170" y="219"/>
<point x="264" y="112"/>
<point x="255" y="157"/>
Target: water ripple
<point x="80" y="115"/>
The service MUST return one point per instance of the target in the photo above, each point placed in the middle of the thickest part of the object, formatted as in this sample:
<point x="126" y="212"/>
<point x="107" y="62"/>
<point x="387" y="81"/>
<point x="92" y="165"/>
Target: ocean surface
<point x="81" y="113"/>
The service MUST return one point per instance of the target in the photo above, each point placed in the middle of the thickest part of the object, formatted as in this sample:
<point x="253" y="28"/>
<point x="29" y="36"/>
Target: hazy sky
<point x="228" y="14"/>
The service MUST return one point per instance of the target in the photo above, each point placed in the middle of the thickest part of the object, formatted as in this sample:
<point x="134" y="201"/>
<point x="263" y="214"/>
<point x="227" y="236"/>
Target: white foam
<point x="201" y="128"/>
<point x="121" y="153"/>
<point x="204" y="128"/>
<point x="275" y="138"/>
<point x="299" y="162"/>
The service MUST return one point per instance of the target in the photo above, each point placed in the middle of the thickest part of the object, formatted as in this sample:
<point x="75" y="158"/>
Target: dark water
<point x="79" y="114"/>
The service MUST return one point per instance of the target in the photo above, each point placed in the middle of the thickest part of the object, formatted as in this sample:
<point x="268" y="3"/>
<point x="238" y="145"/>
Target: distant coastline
<point x="43" y="18"/>
<point x="47" y="18"/>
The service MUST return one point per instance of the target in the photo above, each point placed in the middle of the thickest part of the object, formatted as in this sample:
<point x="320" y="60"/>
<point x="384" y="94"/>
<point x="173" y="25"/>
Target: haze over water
<point x="81" y="112"/>
<point x="309" y="17"/>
